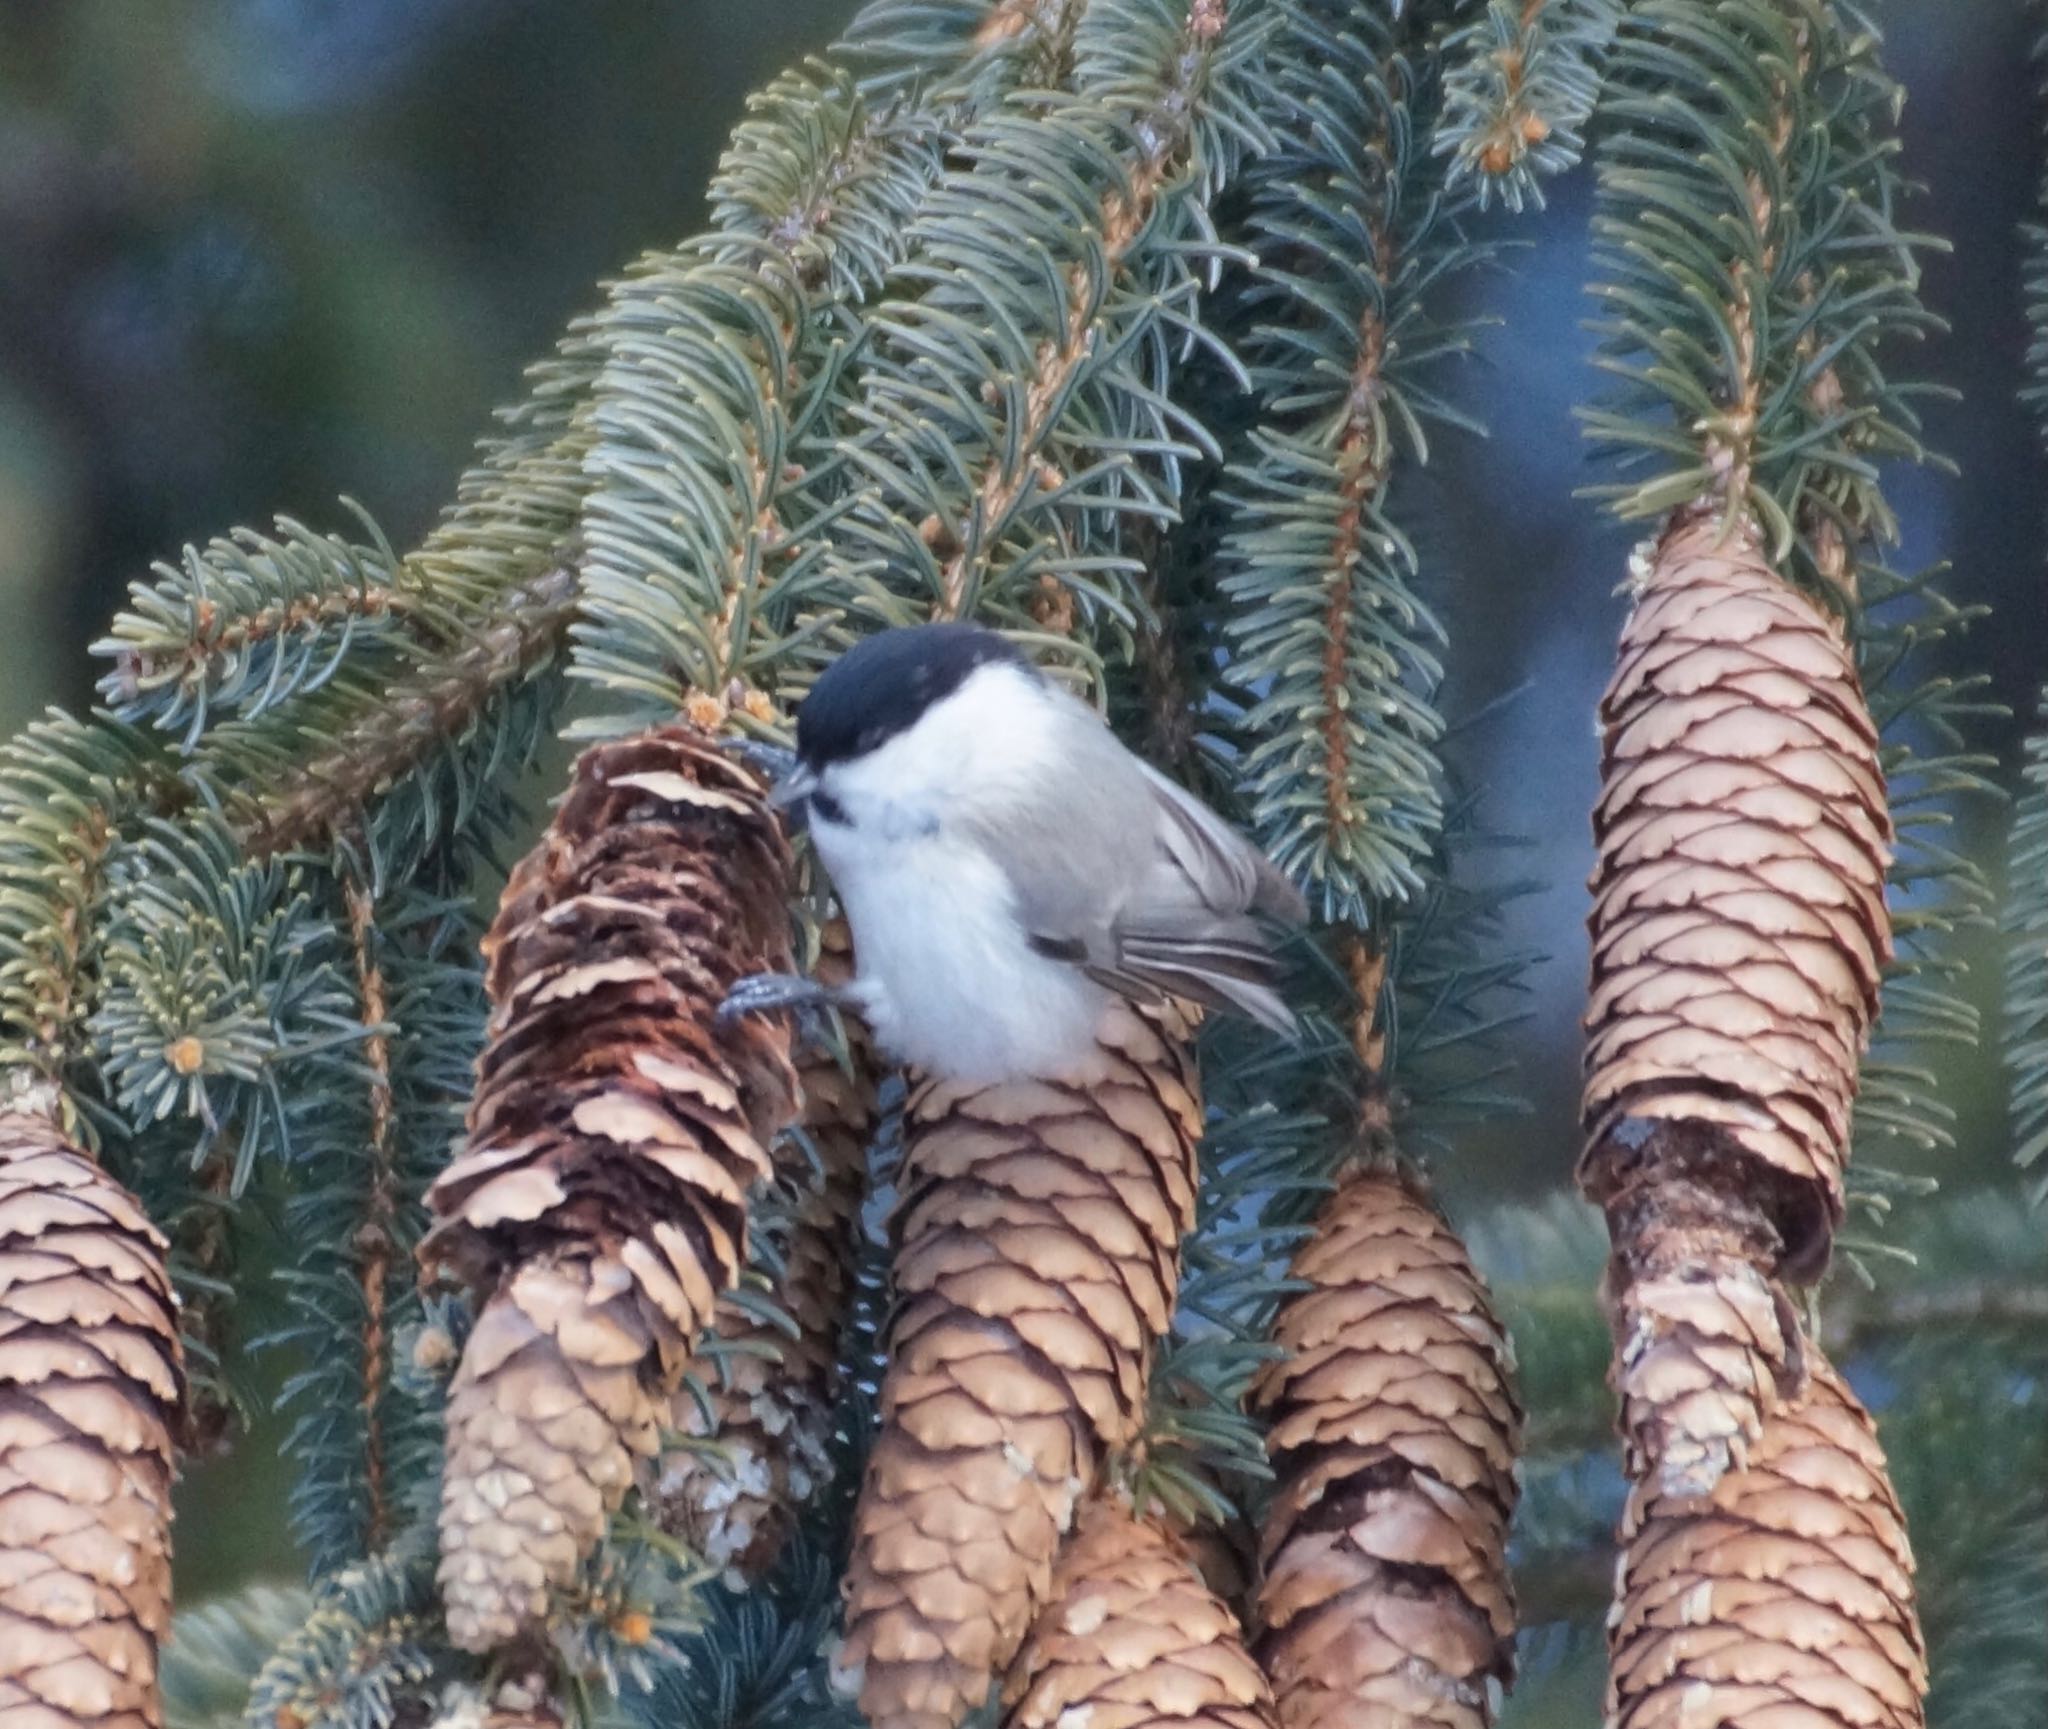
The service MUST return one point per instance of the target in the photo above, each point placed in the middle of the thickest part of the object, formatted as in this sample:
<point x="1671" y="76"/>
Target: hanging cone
<point x="93" y="1377"/>
<point x="767" y="1399"/>
<point x="1784" y="1600"/>
<point x="1394" y="1436"/>
<point x="1038" y="1233"/>
<point x="1739" y="937"/>
<point x="600" y="1205"/>
<point x="1131" y="1638"/>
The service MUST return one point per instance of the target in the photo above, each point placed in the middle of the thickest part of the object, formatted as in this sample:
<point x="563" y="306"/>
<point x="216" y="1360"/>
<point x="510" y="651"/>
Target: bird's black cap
<point x="885" y="682"/>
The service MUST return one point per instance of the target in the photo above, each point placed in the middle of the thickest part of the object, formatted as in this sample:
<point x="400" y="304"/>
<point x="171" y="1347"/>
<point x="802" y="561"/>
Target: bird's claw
<point x="772" y="762"/>
<point x="773" y="993"/>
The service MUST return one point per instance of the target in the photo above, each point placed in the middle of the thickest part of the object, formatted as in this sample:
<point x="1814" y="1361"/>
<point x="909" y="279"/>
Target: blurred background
<point x="258" y="254"/>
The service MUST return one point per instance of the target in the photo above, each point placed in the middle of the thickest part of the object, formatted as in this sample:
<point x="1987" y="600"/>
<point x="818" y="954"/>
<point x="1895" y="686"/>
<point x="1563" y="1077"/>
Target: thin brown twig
<point x="419" y="714"/>
<point x="374" y="1237"/>
<point x="215" y="637"/>
<point x="1517" y="126"/>
<point x="1362" y="461"/>
<point x="1125" y="210"/>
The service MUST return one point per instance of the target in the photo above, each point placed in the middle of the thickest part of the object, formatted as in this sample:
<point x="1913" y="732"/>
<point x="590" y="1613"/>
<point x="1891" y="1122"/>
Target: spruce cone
<point x="1037" y="1257"/>
<point x="771" y="1397"/>
<point x="1739" y="936"/>
<point x="1132" y="1638"/>
<point x="94" y="1374"/>
<point x="1782" y="1601"/>
<point x="1394" y="1436"/>
<point x="601" y="1202"/>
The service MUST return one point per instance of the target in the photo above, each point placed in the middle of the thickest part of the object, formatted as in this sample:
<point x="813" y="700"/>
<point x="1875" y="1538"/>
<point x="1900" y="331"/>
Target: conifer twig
<point x="1522" y="82"/>
<point x="68" y="788"/>
<point x="374" y="1238"/>
<point x="312" y="795"/>
<point x="1161" y="134"/>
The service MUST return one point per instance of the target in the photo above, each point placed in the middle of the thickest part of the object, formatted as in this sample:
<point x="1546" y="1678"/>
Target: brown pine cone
<point x="1037" y="1257"/>
<point x="94" y="1375"/>
<point x="771" y="1397"/>
<point x="600" y="1203"/>
<point x="1131" y="1638"/>
<point x="1395" y="1431"/>
<point x="1784" y="1599"/>
<point x="1739" y="937"/>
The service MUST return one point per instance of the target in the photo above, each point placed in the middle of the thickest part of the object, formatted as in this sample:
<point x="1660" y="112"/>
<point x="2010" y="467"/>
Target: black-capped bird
<point x="1005" y="863"/>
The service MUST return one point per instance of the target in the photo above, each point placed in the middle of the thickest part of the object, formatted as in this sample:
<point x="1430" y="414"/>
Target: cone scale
<point x="1131" y="1638"/>
<point x="1394" y="1436"/>
<point x="599" y="1207"/>
<point x="1037" y="1255"/>
<point x="1739" y="937"/>
<point x="768" y="1402"/>
<point x="93" y="1377"/>
<point x="1784" y="1600"/>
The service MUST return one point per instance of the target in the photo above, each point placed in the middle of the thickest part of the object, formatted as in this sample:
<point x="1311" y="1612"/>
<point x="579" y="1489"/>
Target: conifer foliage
<point x="716" y="1376"/>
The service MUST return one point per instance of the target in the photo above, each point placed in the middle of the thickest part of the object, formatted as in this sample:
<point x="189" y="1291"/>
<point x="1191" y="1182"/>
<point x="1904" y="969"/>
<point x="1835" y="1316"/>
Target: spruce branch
<point x="219" y="985"/>
<point x="365" y="1656"/>
<point x="1520" y="86"/>
<point x="363" y="1438"/>
<point x="300" y="637"/>
<point x="981" y="46"/>
<point x="1162" y="133"/>
<point x="757" y="1660"/>
<point x="67" y="789"/>
<point x="250" y="621"/>
<point x="433" y="709"/>
<point x="1354" y="231"/>
<point x="714" y="486"/>
<point x="1008" y="426"/>
<point x="374" y="1237"/>
<point x="319" y="775"/>
<point x="827" y="170"/>
<point x="215" y="1650"/>
<point x="1755" y="276"/>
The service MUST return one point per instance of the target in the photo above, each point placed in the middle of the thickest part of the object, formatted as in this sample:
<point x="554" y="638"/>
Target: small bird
<point x="1005" y="864"/>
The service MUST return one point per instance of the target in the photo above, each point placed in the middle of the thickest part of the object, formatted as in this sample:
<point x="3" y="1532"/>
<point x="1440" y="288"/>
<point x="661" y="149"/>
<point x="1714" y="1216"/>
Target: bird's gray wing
<point x="1199" y="922"/>
<point x="1136" y="881"/>
<point x="1072" y="840"/>
<point x="1229" y="874"/>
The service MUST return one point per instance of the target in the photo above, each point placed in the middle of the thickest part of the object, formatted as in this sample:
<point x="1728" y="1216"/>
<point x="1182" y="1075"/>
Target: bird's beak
<point x="793" y="788"/>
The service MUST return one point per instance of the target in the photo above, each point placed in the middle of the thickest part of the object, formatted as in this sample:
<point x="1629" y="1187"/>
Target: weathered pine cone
<point x="1783" y="1599"/>
<point x="1739" y="937"/>
<point x="768" y="1400"/>
<point x="94" y="1376"/>
<point x="600" y="1205"/>
<point x="1131" y="1638"/>
<point x="1395" y="1431"/>
<point x="1037" y="1256"/>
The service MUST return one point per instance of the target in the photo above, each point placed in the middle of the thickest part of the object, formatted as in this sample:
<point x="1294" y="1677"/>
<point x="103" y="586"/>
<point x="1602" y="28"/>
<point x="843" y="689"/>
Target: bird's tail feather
<point x="1218" y="969"/>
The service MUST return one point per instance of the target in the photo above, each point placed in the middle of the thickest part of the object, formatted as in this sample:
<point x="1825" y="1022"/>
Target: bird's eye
<point x="824" y="805"/>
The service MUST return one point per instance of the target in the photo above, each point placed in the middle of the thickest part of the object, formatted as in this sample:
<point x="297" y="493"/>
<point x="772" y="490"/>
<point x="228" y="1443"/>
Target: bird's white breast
<point x="946" y="976"/>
